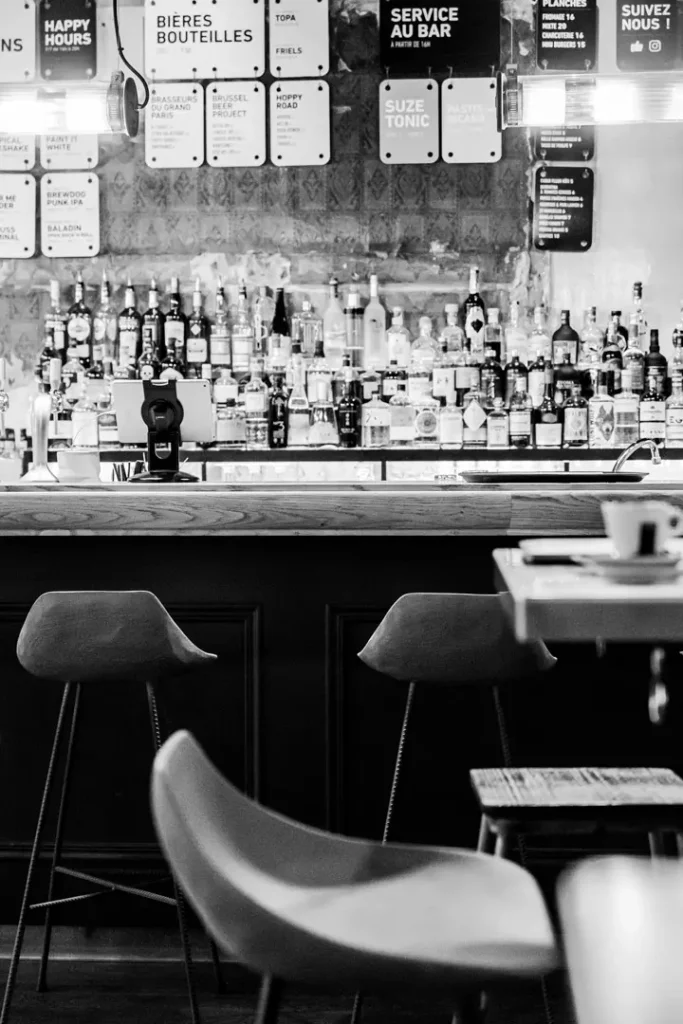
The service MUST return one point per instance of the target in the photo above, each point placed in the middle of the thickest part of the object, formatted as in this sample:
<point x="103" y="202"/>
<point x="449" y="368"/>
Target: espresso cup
<point x="624" y="522"/>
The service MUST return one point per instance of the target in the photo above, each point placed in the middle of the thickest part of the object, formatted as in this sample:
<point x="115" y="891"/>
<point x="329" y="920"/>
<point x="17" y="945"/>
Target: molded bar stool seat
<point x="91" y="637"/>
<point x="297" y="903"/>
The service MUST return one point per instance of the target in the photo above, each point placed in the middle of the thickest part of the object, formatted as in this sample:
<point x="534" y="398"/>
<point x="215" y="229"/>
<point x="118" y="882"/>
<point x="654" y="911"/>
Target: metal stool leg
<point x="35" y="850"/>
<point x="269" y="1000"/>
<point x="485" y="835"/>
<point x="180" y="899"/>
<point x="41" y="985"/>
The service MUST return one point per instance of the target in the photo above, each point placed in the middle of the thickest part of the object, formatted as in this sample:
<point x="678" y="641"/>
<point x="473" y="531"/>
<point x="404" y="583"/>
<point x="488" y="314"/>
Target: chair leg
<point x="269" y="1000"/>
<point x="179" y="898"/>
<point x="485" y="835"/>
<point x="35" y="851"/>
<point x="41" y="985"/>
<point x="221" y="987"/>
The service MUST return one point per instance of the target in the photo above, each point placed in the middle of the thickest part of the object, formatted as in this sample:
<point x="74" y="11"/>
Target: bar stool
<point x="91" y="637"/>
<point x="296" y="903"/>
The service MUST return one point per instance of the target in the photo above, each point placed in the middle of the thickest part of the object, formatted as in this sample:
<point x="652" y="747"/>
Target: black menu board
<point x="422" y="36"/>
<point x="646" y="35"/>
<point x="563" y="209"/>
<point x="564" y="143"/>
<point x="67" y="39"/>
<point x="566" y="35"/>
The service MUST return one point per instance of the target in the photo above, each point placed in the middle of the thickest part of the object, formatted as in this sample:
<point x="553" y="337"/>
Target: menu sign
<point x="70" y="214"/>
<point x="299" y="38"/>
<point x="17" y="216"/>
<point x="17" y="152"/>
<point x="469" y="121"/>
<point x="68" y="39"/>
<point x="416" y="35"/>
<point x="190" y="39"/>
<point x="68" y="152"/>
<point x="174" y="135"/>
<point x="566" y="35"/>
<point x="236" y="124"/>
<point x="646" y="36"/>
<point x="563" y="209"/>
<point x="17" y="41"/>
<point x="300" y="123"/>
<point x="564" y="143"/>
<point x="409" y="121"/>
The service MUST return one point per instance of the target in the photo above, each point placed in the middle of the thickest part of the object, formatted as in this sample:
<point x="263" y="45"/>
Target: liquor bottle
<point x="498" y="426"/>
<point x="353" y="319"/>
<point x="566" y="376"/>
<point x="674" y="412"/>
<point x="566" y="339"/>
<point x="319" y="369"/>
<point x="256" y="405"/>
<point x="474" y="420"/>
<point x="71" y="373"/>
<point x="198" y="335"/>
<point x="231" y="428"/>
<point x="277" y="414"/>
<point x="173" y="364"/>
<point x="280" y="335"/>
<point x="520" y="416"/>
<point x="263" y="313"/>
<point x="148" y="365"/>
<point x="601" y="416"/>
<point x="349" y="412"/>
<point x="153" y="321"/>
<point x="540" y="338"/>
<point x="492" y="378"/>
<point x="84" y="423"/>
<point x="106" y="412"/>
<point x="516" y="338"/>
<point x="653" y="410"/>
<point x="402" y="421"/>
<point x="221" y="348"/>
<point x="105" y="325"/>
<point x="242" y="335"/>
<point x="537" y="380"/>
<point x="451" y="426"/>
<point x="514" y="371"/>
<point x="307" y="329"/>
<point x="612" y="358"/>
<point x="547" y="419"/>
<point x="626" y="413"/>
<point x="175" y="326"/>
<point x="443" y="375"/>
<point x="427" y="411"/>
<point x="337" y="380"/>
<point x="634" y="358"/>
<point x="55" y="320"/>
<point x="374" y="330"/>
<point x="370" y="384"/>
<point x="677" y="342"/>
<point x="391" y="379"/>
<point x="493" y="334"/>
<point x="656" y="366"/>
<point x="592" y="338"/>
<point x="334" y="327"/>
<point x="622" y="333"/>
<point x="640" y="314"/>
<point x="576" y="419"/>
<point x="474" y="316"/>
<point x="452" y="336"/>
<point x="398" y="340"/>
<point x="48" y="353"/>
<point x="130" y="331"/>
<point x="298" y="406"/>
<point x="324" y="430"/>
<point x="375" y="423"/>
<point x="79" y="323"/>
<point x="422" y="358"/>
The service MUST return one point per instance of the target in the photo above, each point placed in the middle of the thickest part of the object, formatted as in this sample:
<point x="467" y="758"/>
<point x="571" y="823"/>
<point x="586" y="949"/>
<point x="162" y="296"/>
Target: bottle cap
<point x="425" y="323"/>
<point x="306" y="306"/>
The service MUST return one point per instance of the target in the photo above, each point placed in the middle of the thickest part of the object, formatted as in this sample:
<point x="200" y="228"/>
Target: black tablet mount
<point x="162" y="413"/>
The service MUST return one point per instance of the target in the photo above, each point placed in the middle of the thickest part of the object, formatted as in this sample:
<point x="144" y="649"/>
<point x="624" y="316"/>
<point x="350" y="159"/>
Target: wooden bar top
<point x="361" y="509"/>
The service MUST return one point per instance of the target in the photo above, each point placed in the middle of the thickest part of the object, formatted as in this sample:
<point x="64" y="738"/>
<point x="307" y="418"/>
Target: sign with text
<point x="299" y="38"/>
<point x="469" y="121"/>
<point x="17" y="216"/>
<point x="300" y="123"/>
<point x="236" y="124"/>
<point x="70" y="214"/>
<point x="18" y="41"/>
<point x="563" y="209"/>
<point x="566" y="35"/>
<point x="409" y="121"/>
<point x="67" y="39"/>
<point x="190" y="39"/>
<point x="647" y="36"/>
<point x="416" y="35"/>
<point x="17" y="152"/>
<point x="174" y="132"/>
<point x="68" y="152"/>
<point x="564" y="143"/>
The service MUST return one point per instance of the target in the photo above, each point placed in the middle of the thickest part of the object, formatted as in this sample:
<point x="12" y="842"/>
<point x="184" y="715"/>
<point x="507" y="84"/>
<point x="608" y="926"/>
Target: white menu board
<point x="469" y="121"/>
<point x="235" y="124"/>
<point x="68" y="152"/>
<point x="299" y="38"/>
<point x="17" y="152"/>
<point x="17" y="41"/>
<point x="17" y="216"/>
<point x="409" y="121"/>
<point x="299" y="123"/>
<point x="70" y="214"/>
<point x="186" y="40"/>
<point x="174" y="130"/>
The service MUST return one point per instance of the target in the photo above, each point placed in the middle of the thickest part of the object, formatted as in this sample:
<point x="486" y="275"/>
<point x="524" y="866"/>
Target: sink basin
<point x="553" y="478"/>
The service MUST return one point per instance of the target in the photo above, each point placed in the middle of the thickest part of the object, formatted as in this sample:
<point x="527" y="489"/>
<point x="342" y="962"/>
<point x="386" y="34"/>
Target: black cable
<point x="119" y="47"/>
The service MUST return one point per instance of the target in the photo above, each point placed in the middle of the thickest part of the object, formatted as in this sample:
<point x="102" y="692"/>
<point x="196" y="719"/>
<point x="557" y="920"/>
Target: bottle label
<point x="389" y="387"/>
<point x="174" y="331"/>
<point x="520" y="423"/>
<point x="376" y="417"/>
<point x="223" y="393"/>
<point x="652" y="420"/>
<point x="255" y="402"/>
<point x="230" y="429"/>
<point x="370" y="388"/>
<point x="402" y="426"/>
<point x="674" y="424"/>
<point x="549" y="435"/>
<point x="656" y="379"/>
<point x="576" y="424"/>
<point x="444" y="383"/>
<point x="462" y="378"/>
<point x="451" y="427"/>
<point x="220" y="349"/>
<point x="601" y="424"/>
<point x="99" y="329"/>
<point x="78" y="328"/>
<point x="427" y="424"/>
<point x="127" y="345"/>
<point x="497" y="434"/>
<point x="418" y="387"/>
<point x="197" y="349"/>
<point x="348" y="422"/>
<point x="474" y="416"/>
<point x="299" y="427"/>
<point x="537" y="387"/>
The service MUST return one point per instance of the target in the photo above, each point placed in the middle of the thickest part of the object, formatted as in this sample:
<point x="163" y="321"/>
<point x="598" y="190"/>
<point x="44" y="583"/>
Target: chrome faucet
<point x="40" y="472"/>
<point x="633" y="448"/>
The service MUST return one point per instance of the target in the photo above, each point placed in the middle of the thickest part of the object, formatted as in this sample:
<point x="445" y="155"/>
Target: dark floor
<point x="126" y="993"/>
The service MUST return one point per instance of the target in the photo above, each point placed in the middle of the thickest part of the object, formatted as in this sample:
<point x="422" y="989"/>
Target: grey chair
<point x="295" y="903"/>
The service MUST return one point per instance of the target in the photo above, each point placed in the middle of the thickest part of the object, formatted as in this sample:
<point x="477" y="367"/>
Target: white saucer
<point x="642" y="569"/>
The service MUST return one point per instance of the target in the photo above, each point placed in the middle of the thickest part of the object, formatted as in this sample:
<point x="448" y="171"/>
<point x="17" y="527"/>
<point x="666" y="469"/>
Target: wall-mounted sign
<point x="68" y="152"/>
<point x="566" y="35"/>
<point x="470" y="133"/>
<point x="17" y="41"/>
<point x="564" y="143"/>
<point x="174" y="132"/>
<point x="563" y="209"/>
<point x="299" y="38"/>
<point x="17" y="152"/>
<point x="70" y="214"/>
<point x="235" y="124"/>
<point x="647" y="36"/>
<point x="416" y="35"/>
<point x="67" y="40"/>
<point x="299" y="123"/>
<point x="190" y="39"/>
<point x="409" y="121"/>
<point x="17" y="216"/>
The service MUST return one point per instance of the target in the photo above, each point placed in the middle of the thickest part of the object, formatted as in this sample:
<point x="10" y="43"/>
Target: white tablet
<point x="193" y="395"/>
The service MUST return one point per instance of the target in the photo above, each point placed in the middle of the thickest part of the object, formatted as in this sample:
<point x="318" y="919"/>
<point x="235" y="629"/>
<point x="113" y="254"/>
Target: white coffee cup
<point x="624" y="521"/>
<point x="78" y="466"/>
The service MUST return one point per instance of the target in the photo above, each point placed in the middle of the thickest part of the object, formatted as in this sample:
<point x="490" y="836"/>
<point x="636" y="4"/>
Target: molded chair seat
<point x="297" y="903"/>
<point x="94" y="636"/>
